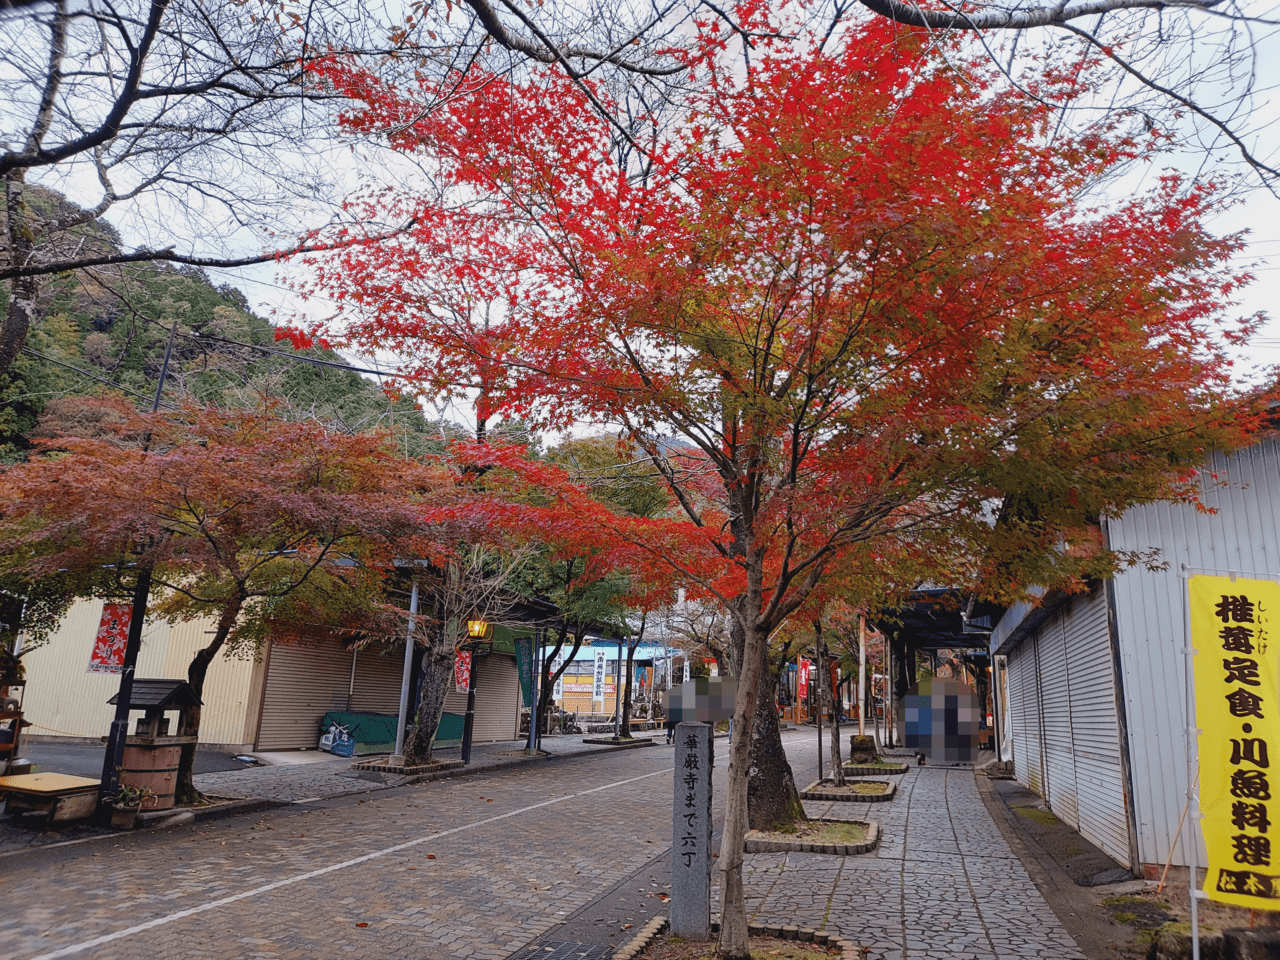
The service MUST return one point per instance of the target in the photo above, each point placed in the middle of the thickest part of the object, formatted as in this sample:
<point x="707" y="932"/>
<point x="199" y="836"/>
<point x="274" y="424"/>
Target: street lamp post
<point x="478" y="633"/>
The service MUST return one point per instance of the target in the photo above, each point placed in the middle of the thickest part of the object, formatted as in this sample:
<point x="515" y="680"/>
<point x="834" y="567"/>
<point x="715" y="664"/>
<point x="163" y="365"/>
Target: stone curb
<point x="658" y="925"/>
<point x="621" y="744"/>
<point x="501" y="765"/>
<point x="819" y="791"/>
<point x="753" y="845"/>
<point x="155" y="819"/>
<point x="852" y="770"/>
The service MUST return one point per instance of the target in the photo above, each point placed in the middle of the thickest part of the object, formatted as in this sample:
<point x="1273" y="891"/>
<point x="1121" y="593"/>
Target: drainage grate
<point x="565" y="950"/>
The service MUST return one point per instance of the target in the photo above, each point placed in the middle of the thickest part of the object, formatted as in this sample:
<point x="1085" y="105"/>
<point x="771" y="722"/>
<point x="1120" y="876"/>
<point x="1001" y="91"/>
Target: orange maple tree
<point x="240" y="516"/>
<point x="854" y="305"/>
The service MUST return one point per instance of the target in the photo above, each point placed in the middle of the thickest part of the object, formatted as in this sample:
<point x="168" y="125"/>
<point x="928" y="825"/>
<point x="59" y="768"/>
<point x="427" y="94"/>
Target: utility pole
<point x="119" y="730"/>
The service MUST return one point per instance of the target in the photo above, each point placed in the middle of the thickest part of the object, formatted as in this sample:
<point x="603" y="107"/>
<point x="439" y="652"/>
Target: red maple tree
<point x="853" y="304"/>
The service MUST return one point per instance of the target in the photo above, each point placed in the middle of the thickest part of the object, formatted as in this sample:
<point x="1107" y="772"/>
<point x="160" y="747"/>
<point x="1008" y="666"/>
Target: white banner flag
<point x="597" y="688"/>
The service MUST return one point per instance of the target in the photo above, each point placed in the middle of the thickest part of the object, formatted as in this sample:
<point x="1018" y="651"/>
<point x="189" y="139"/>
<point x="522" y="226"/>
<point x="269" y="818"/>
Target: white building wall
<point x="1243" y="535"/>
<point x="63" y="699"/>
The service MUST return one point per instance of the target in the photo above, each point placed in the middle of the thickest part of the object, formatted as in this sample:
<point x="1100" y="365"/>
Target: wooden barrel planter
<point x="153" y="764"/>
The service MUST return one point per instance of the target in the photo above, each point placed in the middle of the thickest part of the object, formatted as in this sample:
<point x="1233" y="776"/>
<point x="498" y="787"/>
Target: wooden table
<point x="60" y="795"/>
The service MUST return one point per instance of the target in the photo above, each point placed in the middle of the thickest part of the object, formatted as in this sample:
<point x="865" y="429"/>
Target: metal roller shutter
<point x="304" y="682"/>
<point x="1024" y="715"/>
<point x="1103" y="816"/>
<point x="497" y="699"/>
<point x="379" y="671"/>
<point x="498" y="714"/>
<point x="1055" y="705"/>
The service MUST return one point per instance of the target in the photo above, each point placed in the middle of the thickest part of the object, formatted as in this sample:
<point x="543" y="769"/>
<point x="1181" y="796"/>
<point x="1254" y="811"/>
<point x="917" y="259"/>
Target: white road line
<point x="214" y="904"/>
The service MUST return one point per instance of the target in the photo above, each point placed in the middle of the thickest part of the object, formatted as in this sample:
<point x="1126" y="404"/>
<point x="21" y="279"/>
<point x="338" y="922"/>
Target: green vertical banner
<point x="524" y="657"/>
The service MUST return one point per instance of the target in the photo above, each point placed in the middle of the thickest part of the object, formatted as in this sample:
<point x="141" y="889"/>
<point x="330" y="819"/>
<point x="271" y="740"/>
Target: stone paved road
<point x="481" y="867"/>
<point x="944" y="884"/>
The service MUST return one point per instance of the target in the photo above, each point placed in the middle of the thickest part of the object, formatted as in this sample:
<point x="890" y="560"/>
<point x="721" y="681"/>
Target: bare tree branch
<point x="1019" y="18"/>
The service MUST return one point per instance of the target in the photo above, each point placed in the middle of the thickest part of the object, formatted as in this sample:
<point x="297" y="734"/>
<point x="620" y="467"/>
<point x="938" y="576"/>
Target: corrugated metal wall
<point x="1024" y="714"/>
<point x="1067" y="744"/>
<point x="304" y="682"/>
<point x="1243" y="535"/>
<point x="497" y="699"/>
<point x="1100" y="788"/>
<point x="379" y="673"/>
<point x="64" y="699"/>
<point x="1055" y="706"/>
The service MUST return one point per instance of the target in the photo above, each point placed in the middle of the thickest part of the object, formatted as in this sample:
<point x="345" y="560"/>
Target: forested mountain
<point x="112" y="323"/>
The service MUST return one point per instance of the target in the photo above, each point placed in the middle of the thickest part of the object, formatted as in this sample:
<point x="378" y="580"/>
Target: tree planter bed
<point x="826" y="790"/>
<point x="620" y="741"/>
<point x="756" y="844"/>
<point x="380" y="765"/>
<point x="872" y="770"/>
<point x="654" y="930"/>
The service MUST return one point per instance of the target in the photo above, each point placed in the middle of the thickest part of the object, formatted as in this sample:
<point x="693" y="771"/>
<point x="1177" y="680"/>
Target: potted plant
<point x="125" y="805"/>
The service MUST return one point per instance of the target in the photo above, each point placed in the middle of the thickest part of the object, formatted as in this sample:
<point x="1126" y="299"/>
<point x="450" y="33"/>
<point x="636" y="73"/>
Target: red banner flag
<point x="462" y="671"/>
<point x="113" y="635"/>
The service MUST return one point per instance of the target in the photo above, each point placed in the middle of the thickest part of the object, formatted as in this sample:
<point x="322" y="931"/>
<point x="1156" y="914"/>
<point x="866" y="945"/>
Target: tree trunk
<point x="23" y="291"/>
<point x="772" y="798"/>
<point x="184" y="790"/>
<point x="548" y="686"/>
<point x="827" y="685"/>
<point x="624" y="730"/>
<point x="437" y="674"/>
<point x="626" y="691"/>
<point x="733" y="918"/>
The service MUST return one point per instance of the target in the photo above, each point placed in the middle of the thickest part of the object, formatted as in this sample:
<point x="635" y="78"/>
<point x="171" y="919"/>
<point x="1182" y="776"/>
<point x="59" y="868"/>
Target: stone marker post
<point x="691" y="832"/>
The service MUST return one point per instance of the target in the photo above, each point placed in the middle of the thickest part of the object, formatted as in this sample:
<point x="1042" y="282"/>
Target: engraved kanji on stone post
<point x="691" y="832"/>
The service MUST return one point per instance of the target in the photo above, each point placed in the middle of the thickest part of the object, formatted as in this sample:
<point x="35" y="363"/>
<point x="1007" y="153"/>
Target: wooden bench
<point x="60" y="795"/>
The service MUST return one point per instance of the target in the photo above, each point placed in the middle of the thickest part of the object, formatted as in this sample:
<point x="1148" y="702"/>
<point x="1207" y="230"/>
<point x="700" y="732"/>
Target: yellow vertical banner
<point x="1238" y="712"/>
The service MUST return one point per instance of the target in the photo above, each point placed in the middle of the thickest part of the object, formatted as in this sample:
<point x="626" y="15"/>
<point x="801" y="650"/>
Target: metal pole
<point x="1193" y="846"/>
<point x="862" y="674"/>
<point x="468" y="723"/>
<point x="617" y="695"/>
<point x="403" y="722"/>
<point x="351" y="689"/>
<point x="890" y="727"/>
<point x="536" y="672"/>
<point x="164" y="366"/>
<point x="821" y="670"/>
<point x="996" y="708"/>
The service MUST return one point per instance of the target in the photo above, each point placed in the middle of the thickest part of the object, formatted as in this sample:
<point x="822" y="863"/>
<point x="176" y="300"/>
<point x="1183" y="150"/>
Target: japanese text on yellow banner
<point x="1238" y="712"/>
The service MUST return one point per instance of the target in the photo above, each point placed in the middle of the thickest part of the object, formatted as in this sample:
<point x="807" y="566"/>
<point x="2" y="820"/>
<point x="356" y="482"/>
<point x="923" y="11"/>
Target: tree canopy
<point x="235" y="515"/>
<point x="852" y="306"/>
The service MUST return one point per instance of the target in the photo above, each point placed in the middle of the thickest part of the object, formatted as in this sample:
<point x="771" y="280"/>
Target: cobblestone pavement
<point x="943" y="885"/>
<point x="484" y="865"/>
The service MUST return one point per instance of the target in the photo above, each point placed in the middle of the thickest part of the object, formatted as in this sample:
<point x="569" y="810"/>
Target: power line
<point x="288" y="356"/>
<point x="91" y="376"/>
